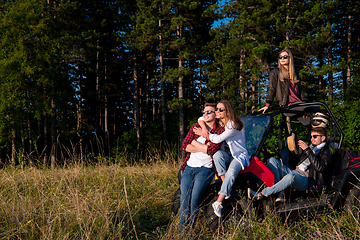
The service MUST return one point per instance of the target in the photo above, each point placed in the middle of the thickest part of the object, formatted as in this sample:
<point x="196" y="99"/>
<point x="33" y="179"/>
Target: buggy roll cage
<point x="273" y="111"/>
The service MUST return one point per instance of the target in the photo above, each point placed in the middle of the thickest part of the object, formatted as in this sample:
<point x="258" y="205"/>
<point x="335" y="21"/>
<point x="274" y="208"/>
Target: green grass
<point x="129" y="202"/>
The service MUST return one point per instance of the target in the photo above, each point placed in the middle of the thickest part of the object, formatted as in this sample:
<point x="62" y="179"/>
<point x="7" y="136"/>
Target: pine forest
<point x="95" y="78"/>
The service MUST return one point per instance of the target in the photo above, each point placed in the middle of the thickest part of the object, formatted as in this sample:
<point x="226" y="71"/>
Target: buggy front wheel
<point x="175" y="202"/>
<point x="236" y="208"/>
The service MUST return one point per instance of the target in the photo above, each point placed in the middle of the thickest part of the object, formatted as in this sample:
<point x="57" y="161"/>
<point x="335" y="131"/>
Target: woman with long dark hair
<point x="235" y="154"/>
<point x="284" y="82"/>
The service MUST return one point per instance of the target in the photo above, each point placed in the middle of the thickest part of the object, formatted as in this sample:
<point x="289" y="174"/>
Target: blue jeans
<point x="284" y="178"/>
<point x="194" y="182"/>
<point x="221" y="160"/>
<point x="230" y="177"/>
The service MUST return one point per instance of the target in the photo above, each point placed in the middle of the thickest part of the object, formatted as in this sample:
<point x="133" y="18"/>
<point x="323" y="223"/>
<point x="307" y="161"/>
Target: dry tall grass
<point x="102" y="202"/>
<point x="128" y="202"/>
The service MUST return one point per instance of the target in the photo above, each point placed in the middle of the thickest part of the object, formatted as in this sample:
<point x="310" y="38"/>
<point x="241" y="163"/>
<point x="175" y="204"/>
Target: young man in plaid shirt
<point x="198" y="168"/>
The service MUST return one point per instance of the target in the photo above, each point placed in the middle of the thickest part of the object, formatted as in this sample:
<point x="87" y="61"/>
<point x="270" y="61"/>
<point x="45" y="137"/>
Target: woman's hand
<point x="264" y="109"/>
<point x="197" y="131"/>
<point x="202" y="132"/>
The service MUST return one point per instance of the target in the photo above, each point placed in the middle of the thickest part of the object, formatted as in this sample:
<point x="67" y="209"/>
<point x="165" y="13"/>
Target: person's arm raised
<point x="218" y="138"/>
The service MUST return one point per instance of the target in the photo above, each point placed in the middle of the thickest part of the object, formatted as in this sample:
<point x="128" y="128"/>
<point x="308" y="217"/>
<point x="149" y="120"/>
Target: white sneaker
<point x="217" y="206"/>
<point x="280" y="197"/>
<point x="254" y="195"/>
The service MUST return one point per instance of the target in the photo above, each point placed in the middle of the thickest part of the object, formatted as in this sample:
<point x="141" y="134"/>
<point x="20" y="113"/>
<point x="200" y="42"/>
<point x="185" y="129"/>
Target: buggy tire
<point x="236" y="207"/>
<point x="175" y="202"/>
<point x="352" y="202"/>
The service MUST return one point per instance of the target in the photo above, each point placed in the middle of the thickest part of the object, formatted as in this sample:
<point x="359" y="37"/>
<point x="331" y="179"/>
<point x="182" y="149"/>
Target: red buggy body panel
<point x="259" y="169"/>
<point x="354" y="161"/>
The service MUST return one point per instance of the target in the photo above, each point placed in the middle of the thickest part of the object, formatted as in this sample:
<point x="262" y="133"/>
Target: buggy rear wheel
<point x="352" y="202"/>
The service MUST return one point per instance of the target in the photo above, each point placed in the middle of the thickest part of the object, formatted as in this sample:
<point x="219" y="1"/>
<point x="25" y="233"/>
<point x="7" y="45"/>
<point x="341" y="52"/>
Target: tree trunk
<point x="331" y="74"/>
<point x="253" y="93"/>
<point x="13" y="149"/>
<point x="181" y="99"/>
<point x="22" y="164"/>
<point x="45" y="132"/>
<point x="147" y="97"/>
<point x="181" y="111"/>
<point x="53" y="136"/>
<point x="287" y="19"/>
<point x="106" y="129"/>
<point x="136" y="96"/>
<point x="31" y="162"/>
<point x="39" y="133"/>
<point x="78" y="125"/>
<point x="200" y="85"/>
<point x="242" y="81"/>
<point x="140" y="105"/>
<point x="114" y="123"/>
<point x="348" y="70"/>
<point x="321" y="78"/>
<point x="162" y="87"/>
<point x="98" y="96"/>
<point x="45" y="160"/>
<point x="153" y="104"/>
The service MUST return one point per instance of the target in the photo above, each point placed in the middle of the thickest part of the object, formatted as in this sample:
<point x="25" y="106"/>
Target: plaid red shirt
<point x="212" y="148"/>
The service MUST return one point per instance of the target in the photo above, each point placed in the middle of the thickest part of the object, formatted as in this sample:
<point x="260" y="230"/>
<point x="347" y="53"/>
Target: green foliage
<point x="29" y="47"/>
<point x="175" y="103"/>
<point x="66" y="69"/>
<point x="131" y="151"/>
<point x="347" y="114"/>
<point x="240" y="52"/>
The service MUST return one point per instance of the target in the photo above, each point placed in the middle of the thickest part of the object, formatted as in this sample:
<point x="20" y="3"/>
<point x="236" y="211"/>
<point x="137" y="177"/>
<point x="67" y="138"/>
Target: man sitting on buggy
<point x="309" y="171"/>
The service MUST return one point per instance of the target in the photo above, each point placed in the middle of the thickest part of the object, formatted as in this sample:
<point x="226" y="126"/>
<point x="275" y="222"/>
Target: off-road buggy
<point x="261" y="131"/>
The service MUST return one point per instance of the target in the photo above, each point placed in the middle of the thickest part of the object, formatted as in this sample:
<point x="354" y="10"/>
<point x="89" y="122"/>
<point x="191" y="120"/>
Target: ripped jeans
<point x="284" y="178"/>
<point x="221" y="160"/>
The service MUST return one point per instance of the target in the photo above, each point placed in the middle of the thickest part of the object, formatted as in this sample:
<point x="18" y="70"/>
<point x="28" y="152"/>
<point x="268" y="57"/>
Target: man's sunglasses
<point x="220" y="109"/>
<point x="283" y="57"/>
<point x="207" y="112"/>
<point x="315" y="136"/>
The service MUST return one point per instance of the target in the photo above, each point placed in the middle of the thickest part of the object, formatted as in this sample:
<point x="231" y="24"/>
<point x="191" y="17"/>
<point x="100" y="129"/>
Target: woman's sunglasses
<point x="207" y="112"/>
<point x="283" y="57"/>
<point x="220" y="109"/>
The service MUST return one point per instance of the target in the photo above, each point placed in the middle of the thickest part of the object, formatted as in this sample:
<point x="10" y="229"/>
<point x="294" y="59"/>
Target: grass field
<point x="113" y="201"/>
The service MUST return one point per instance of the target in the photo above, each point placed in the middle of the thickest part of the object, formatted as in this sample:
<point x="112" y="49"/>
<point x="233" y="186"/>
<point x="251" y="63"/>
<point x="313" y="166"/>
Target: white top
<point x="200" y="159"/>
<point x="235" y="140"/>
